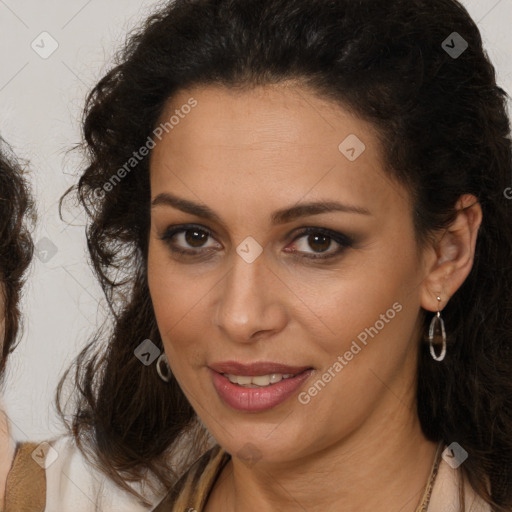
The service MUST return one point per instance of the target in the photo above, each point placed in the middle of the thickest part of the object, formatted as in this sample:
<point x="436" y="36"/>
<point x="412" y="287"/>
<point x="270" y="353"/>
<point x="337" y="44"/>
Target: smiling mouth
<point x="257" y="389"/>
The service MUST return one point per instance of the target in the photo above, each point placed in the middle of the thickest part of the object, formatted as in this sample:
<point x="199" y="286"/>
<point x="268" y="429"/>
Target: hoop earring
<point x="436" y="325"/>
<point x="162" y="368"/>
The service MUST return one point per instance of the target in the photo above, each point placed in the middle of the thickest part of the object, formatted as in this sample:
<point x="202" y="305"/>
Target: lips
<point x="258" y="399"/>
<point x="256" y="369"/>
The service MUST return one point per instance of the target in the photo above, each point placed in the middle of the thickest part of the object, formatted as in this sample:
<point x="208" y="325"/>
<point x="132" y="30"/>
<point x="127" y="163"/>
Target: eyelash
<point x="344" y="241"/>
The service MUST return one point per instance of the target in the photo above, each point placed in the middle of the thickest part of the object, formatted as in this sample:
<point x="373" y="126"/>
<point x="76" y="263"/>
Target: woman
<point x="16" y="251"/>
<point x="297" y="217"/>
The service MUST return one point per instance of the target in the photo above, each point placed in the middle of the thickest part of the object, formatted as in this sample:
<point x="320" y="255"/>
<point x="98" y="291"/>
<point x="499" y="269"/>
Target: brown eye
<point x="320" y="240"/>
<point x="190" y="237"/>
<point x="319" y="243"/>
<point x="195" y="237"/>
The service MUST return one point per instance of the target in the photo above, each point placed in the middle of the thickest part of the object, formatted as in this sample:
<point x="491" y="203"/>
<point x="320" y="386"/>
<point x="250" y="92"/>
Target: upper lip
<point x="256" y="369"/>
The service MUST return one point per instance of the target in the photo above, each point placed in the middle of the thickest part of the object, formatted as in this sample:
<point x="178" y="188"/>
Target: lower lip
<point x="257" y="399"/>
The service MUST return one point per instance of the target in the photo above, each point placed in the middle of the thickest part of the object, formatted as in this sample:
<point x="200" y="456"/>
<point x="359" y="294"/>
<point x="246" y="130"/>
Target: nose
<point x="251" y="303"/>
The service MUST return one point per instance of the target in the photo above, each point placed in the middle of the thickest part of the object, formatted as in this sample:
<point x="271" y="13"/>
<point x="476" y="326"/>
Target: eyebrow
<point x="278" y="217"/>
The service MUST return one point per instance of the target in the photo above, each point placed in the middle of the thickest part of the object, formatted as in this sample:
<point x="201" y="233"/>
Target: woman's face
<point x="251" y="291"/>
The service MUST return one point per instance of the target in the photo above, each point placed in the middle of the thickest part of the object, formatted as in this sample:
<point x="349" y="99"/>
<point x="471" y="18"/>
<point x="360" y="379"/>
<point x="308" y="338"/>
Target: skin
<point x="6" y="443"/>
<point x="358" y="444"/>
<point x="2" y="315"/>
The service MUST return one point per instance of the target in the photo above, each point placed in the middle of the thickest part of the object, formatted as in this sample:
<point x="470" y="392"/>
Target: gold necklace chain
<point x="423" y="506"/>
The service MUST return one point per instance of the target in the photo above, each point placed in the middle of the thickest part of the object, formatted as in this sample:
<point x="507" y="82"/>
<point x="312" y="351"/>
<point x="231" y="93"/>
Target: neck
<point x="383" y="466"/>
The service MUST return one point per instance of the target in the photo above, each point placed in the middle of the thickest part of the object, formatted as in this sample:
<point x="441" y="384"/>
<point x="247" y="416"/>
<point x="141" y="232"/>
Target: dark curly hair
<point x="445" y="132"/>
<point x="16" y="248"/>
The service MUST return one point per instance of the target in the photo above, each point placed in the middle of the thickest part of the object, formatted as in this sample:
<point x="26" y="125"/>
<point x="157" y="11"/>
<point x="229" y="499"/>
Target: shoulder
<point x="26" y="484"/>
<point x="57" y="476"/>
<point x="446" y="491"/>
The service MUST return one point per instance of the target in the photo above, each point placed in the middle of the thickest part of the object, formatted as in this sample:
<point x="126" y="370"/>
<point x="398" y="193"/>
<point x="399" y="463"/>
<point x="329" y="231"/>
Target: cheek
<point x="176" y="298"/>
<point x="369" y="345"/>
<point x="370" y="316"/>
<point x="361" y="323"/>
<point x="165" y="295"/>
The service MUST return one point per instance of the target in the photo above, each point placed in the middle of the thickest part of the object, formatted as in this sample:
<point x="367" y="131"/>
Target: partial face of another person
<point x="2" y="316"/>
<point x="16" y="215"/>
<point x="335" y="293"/>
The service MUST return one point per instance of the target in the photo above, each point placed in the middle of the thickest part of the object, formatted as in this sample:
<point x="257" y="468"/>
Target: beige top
<point x="445" y="495"/>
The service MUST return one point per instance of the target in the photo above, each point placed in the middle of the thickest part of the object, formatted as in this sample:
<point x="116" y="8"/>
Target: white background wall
<point x="40" y="109"/>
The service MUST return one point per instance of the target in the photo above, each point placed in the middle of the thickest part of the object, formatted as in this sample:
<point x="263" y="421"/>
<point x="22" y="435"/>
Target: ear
<point x="450" y="259"/>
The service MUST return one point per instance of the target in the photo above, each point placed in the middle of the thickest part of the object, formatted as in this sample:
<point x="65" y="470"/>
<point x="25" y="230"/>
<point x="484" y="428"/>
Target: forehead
<point x="271" y="142"/>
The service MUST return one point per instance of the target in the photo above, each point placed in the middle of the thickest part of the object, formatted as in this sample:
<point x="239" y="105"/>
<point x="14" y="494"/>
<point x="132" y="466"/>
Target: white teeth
<point x="259" y="380"/>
